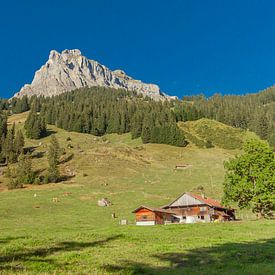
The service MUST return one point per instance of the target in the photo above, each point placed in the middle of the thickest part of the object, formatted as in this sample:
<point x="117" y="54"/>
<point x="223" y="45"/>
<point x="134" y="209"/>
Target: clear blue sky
<point x="184" y="46"/>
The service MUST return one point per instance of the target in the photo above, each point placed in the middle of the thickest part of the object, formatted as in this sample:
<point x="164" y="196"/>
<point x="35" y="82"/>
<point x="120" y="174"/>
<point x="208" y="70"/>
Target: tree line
<point x="100" y="111"/>
<point x="255" y="112"/>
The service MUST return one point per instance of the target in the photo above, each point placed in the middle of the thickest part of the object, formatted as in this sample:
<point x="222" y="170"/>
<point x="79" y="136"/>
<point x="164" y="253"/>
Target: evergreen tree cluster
<point x="11" y="143"/>
<point x="255" y="112"/>
<point x="99" y="111"/>
<point x="21" y="173"/>
<point x="19" y="105"/>
<point x="35" y="125"/>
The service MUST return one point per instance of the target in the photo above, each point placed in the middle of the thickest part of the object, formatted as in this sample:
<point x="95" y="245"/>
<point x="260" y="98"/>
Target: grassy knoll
<point x="76" y="236"/>
<point x="219" y="134"/>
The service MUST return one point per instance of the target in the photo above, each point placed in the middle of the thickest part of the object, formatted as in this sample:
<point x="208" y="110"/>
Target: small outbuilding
<point x="151" y="216"/>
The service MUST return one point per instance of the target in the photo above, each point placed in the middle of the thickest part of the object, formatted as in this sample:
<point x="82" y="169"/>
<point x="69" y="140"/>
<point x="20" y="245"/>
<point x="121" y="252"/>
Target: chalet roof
<point x="203" y="200"/>
<point x="207" y="200"/>
<point x="153" y="209"/>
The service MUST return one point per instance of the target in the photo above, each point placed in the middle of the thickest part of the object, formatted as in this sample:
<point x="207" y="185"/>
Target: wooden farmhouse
<point x="187" y="208"/>
<point x="151" y="216"/>
<point x="191" y="208"/>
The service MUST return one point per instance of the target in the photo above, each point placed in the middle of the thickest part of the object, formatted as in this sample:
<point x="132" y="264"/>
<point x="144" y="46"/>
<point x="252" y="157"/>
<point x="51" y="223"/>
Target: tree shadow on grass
<point x="9" y="239"/>
<point x="49" y="132"/>
<point x="30" y="149"/>
<point x="66" y="159"/>
<point x="15" y="261"/>
<point x="63" y="178"/>
<point x="229" y="258"/>
<point x="38" y="155"/>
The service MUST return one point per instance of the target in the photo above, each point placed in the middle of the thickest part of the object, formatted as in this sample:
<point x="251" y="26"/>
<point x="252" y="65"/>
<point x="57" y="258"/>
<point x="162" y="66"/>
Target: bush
<point x="14" y="184"/>
<point x="208" y="144"/>
<point x="37" y="181"/>
<point x="46" y="179"/>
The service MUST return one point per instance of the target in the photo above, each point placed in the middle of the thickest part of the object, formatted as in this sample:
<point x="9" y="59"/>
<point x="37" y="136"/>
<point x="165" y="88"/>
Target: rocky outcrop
<point x="69" y="70"/>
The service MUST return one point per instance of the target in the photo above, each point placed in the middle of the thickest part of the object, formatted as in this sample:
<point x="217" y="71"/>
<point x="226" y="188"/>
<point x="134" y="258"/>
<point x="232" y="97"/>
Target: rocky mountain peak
<point x="70" y="70"/>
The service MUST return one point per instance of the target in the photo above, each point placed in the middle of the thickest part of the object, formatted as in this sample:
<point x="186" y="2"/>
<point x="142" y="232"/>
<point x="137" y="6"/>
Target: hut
<point x="151" y="216"/>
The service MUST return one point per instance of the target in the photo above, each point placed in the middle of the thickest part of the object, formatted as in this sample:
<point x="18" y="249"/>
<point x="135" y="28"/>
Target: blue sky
<point x="186" y="47"/>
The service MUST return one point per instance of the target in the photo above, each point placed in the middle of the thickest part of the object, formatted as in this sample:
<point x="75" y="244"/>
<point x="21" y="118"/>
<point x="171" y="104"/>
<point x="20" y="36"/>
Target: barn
<point x="150" y="216"/>
<point x="191" y="208"/>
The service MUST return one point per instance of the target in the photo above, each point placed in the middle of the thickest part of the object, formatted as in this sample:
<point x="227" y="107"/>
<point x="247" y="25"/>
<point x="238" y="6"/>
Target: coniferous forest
<point x="101" y="110"/>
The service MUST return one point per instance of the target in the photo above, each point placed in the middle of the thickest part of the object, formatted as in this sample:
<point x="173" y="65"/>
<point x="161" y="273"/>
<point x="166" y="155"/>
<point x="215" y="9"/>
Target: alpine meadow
<point x="102" y="173"/>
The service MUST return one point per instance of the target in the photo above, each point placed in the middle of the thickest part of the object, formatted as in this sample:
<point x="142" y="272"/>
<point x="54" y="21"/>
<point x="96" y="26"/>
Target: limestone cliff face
<point x="70" y="70"/>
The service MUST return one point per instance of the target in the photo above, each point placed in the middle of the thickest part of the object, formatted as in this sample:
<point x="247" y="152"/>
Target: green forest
<point x="101" y="110"/>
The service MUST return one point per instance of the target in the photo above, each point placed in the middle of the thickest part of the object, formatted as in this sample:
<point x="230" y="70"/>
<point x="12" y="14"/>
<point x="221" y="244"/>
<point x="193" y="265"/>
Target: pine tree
<point x="136" y="125"/>
<point x="21" y="173"/>
<point x="8" y="147"/>
<point x="35" y="125"/>
<point x="25" y="174"/>
<point x="53" y="159"/>
<point x="19" y="143"/>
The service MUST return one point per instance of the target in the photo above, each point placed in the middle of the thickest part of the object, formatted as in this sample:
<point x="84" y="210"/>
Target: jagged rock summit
<point x="69" y="70"/>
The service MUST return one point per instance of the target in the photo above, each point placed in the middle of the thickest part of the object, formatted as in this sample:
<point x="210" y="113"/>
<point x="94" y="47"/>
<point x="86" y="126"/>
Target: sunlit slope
<point x="113" y="164"/>
<point x="206" y="133"/>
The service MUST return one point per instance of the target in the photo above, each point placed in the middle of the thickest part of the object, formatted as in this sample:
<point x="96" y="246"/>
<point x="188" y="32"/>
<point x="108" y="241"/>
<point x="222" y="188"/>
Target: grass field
<point x="76" y="236"/>
<point x="219" y="134"/>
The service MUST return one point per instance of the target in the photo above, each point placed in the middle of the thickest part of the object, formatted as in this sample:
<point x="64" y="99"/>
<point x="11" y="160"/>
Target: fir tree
<point x="25" y="174"/>
<point x="19" y="143"/>
<point x="53" y="159"/>
<point x="35" y="126"/>
<point x="8" y="147"/>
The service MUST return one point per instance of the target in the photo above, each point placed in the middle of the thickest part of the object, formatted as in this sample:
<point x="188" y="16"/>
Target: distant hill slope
<point x="207" y="133"/>
<point x="148" y="174"/>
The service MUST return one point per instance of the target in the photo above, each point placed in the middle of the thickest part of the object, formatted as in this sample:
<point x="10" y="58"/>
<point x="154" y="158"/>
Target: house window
<point x="203" y="208"/>
<point x="202" y="217"/>
<point x="144" y="217"/>
<point x="184" y="217"/>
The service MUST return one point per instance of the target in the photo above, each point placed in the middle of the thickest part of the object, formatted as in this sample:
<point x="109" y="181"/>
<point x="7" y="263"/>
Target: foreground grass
<point x="75" y="236"/>
<point x="230" y="248"/>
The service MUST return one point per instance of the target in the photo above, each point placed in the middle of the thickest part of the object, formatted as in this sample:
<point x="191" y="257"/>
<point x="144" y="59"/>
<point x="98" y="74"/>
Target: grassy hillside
<point x="74" y="235"/>
<point x="218" y="134"/>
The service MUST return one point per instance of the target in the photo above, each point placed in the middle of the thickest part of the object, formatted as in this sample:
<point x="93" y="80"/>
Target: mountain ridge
<point x="70" y="70"/>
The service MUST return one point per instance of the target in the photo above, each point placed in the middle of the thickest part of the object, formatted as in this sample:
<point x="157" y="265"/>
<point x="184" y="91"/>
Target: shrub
<point x="14" y="184"/>
<point x="208" y="144"/>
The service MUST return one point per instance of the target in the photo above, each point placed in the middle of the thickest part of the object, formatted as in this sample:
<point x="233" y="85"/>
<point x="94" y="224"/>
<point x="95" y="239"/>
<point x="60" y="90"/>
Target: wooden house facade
<point x="191" y="208"/>
<point x="151" y="216"/>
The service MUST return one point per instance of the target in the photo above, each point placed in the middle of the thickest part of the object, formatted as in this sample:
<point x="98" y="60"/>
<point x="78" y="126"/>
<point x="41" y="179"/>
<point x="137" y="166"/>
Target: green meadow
<point x="60" y="229"/>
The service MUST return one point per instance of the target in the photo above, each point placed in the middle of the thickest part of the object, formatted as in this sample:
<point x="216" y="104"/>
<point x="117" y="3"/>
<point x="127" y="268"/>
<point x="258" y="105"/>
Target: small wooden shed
<point x="150" y="216"/>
